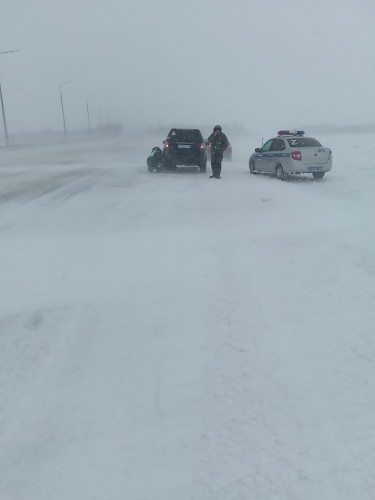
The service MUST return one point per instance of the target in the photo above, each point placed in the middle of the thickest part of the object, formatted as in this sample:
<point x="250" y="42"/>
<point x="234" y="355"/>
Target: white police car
<point x="291" y="153"/>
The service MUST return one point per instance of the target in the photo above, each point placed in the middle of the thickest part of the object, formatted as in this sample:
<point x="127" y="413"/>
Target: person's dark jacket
<point x="155" y="159"/>
<point x="219" y="143"/>
<point x="156" y="153"/>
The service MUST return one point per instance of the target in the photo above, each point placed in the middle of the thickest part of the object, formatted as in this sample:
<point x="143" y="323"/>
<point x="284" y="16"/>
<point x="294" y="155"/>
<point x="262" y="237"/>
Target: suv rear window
<point x="303" y="142"/>
<point x="185" y="135"/>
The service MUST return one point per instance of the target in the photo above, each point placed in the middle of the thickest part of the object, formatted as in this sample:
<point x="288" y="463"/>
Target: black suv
<point x="184" y="146"/>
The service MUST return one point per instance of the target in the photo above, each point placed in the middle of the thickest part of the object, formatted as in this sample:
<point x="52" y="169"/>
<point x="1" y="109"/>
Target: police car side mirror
<point x="258" y="150"/>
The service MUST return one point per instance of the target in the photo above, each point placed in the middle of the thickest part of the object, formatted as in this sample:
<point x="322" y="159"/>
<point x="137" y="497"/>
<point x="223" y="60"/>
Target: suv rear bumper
<point x="183" y="159"/>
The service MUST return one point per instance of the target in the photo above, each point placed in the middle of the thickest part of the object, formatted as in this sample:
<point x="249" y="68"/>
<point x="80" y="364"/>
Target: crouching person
<point x="155" y="160"/>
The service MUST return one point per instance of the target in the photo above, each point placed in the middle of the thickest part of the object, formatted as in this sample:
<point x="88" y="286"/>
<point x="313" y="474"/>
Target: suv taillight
<point x="297" y="155"/>
<point x="202" y="146"/>
<point x="166" y="145"/>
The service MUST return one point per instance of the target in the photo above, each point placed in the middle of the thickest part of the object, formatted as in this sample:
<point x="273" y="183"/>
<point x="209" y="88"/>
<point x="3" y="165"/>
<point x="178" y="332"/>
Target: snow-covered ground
<point x="169" y="336"/>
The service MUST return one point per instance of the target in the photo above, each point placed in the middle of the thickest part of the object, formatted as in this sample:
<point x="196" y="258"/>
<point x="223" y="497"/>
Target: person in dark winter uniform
<point x="219" y="143"/>
<point x="154" y="161"/>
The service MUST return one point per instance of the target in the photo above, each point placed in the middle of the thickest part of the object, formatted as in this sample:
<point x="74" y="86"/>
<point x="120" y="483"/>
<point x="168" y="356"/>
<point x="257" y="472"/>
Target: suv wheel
<point x="168" y="165"/>
<point x="279" y="172"/>
<point x="203" y="166"/>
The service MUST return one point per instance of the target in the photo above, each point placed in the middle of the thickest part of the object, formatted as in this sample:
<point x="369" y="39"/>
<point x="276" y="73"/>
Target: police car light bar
<point x="290" y="132"/>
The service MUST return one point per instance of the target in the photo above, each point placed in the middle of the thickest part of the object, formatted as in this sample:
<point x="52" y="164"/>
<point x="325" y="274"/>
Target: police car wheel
<point x="318" y="175"/>
<point x="279" y="172"/>
<point x="252" y="168"/>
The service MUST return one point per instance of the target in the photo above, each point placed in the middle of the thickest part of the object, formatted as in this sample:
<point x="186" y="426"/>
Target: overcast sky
<point x="262" y="64"/>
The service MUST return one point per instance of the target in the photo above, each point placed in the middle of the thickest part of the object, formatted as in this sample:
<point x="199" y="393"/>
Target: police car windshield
<point x="303" y="142"/>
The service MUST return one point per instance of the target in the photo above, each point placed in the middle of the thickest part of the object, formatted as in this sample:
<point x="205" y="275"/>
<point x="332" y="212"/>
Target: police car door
<point x="276" y="153"/>
<point x="263" y="158"/>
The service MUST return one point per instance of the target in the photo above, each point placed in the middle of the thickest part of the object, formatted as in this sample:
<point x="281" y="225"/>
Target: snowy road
<point x="169" y="336"/>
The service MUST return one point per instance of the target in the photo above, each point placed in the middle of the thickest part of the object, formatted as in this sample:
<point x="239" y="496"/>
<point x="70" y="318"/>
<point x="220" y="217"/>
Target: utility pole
<point x="4" y="119"/>
<point x="88" y="118"/>
<point x="2" y="104"/>
<point x="63" y="114"/>
<point x="62" y="107"/>
<point x="100" y="121"/>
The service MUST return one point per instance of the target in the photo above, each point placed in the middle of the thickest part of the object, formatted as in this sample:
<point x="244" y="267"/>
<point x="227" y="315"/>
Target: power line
<point x="25" y="92"/>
